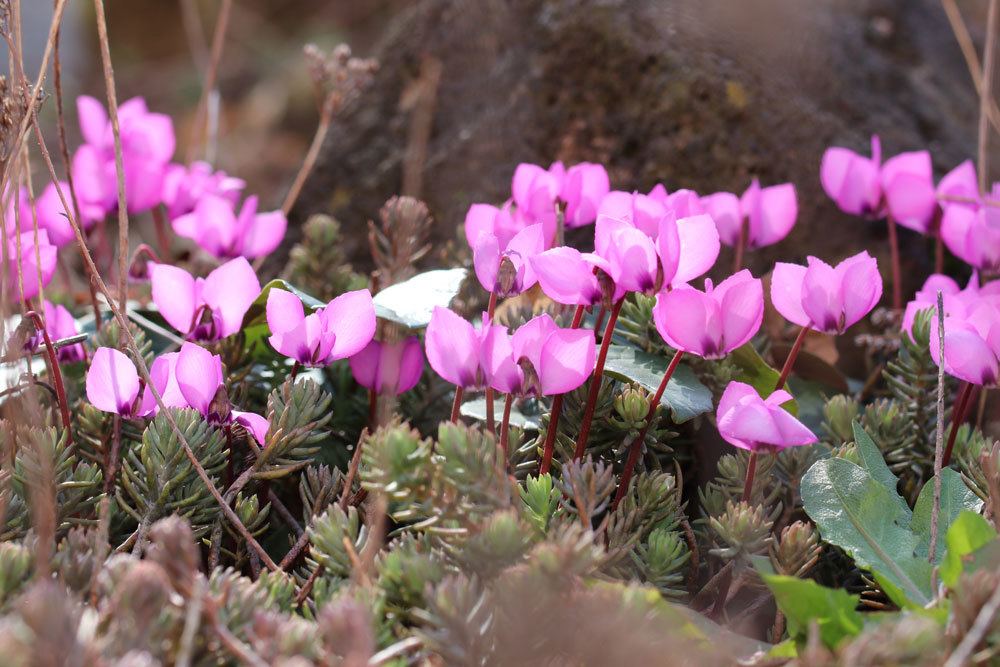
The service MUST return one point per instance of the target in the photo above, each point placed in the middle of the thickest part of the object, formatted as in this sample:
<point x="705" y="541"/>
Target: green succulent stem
<point x="595" y="381"/>
<point x="635" y="449"/>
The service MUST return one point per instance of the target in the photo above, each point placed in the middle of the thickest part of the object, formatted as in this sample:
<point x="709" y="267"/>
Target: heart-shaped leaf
<point x="685" y="396"/>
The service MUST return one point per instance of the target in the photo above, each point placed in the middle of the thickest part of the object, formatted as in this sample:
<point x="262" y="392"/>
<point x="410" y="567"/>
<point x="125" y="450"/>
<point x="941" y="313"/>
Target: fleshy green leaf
<point x="861" y="516"/>
<point x="955" y="498"/>
<point x="411" y="302"/>
<point x="872" y="461"/>
<point x="685" y="396"/>
<point x="968" y="533"/>
<point x="803" y="601"/>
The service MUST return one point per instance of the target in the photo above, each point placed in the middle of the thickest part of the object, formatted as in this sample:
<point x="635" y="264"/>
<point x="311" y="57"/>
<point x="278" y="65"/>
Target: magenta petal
<point x="480" y="218"/>
<point x="668" y="247"/>
<point x="527" y="243"/>
<point x="909" y="191"/>
<point x="774" y="216"/>
<point x="529" y="338"/>
<point x="860" y="287"/>
<point x="351" y="318"/>
<point x="960" y="182"/>
<point x="567" y="360"/>
<point x="93" y="120"/>
<point x="724" y="208"/>
<point x="499" y="365"/>
<point x="682" y="317"/>
<point x="741" y="308"/>
<point x="786" y="292"/>
<point x="284" y="314"/>
<point x="566" y="277"/>
<point x="411" y="364"/>
<point x="255" y="424"/>
<point x="163" y="374"/>
<point x="821" y="296"/>
<point x="486" y="260"/>
<point x="112" y="382"/>
<point x="229" y="291"/>
<point x="199" y="374"/>
<point x="174" y="294"/>
<point x="365" y="366"/>
<point x="453" y="348"/>
<point x="264" y="234"/>
<point x="699" y="247"/>
<point x="525" y="176"/>
<point x="967" y="356"/>
<point x="633" y="259"/>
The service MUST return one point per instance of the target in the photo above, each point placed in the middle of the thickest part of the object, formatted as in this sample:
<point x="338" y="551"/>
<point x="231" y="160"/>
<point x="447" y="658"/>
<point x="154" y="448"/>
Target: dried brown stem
<point x="201" y="119"/>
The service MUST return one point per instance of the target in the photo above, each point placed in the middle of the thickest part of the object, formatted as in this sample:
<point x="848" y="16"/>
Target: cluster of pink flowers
<point x="201" y="203"/>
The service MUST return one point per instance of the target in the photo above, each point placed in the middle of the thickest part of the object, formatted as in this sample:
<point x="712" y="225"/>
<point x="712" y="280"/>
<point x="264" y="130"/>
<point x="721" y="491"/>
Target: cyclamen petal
<point x="60" y="324"/>
<point x="829" y="299"/>
<point x="699" y="247"/>
<point x="229" y="291"/>
<point x="112" y="382"/>
<point x="255" y="424"/>
<point x="454" y="348"/>
<point x="350" y="317"/>
<point x="747" y="421"/>
<point x="392" y="368"/>
<point x="567" y="360"/>
<point x="584" y="186"/>
<point x="566" y="276"/>
<point x="199" y="375"/>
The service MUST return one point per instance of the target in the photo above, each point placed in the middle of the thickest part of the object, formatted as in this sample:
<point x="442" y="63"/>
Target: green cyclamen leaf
<point x="955" y="498"/>
<point x="411" y="302"/>
<point x="968" y="533"/>
<point x="685" y="396"/>
<point x="803" y="601"/>
<point x="861" y="516"/>
<point x="872" y="461"/>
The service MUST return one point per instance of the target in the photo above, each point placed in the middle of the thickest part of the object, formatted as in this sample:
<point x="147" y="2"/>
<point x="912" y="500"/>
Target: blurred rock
<point x="702" y="94"/>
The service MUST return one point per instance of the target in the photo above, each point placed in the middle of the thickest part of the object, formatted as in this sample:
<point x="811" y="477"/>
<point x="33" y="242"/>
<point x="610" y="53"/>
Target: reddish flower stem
<point x="599" y="320"/>
<point x="957" y="417"/>
<point x="595" y="381"/>
<point x="505" y="427"/>
<point x="550" y="434"/>
<point x="751" y="472"/>
<point x="741" y="243"/>
<point x="116" y="446"/>
<point x="786" y="370"/>
<point x="490" y="417"/>
<point x="456" y="405"/>
<point x="635" y="449"/>
<point x="295" y="371"/>
<point x="57" y="378"/>
<point x="372" y="409"/>
<point x="938" y="242"/>
<point x="160" y="225"/>
<point x="897" y="286"/>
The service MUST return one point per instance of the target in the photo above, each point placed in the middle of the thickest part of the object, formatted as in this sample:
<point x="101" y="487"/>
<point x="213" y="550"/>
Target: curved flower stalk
<point x="708" y="324"/>
<point x="901" y="190"/>
<point x="185" y="186"/>
<point x="217" y="228"/>
<point x="539" y="359"/>
<point x="207" y="308"/>
<point x="825" y="298"/>
<point x="339" y="330"/>
<point x="29" y="272"/>
<point x="455" y="351"/>
<point x="747" y="421"/>
<point x="760" y="217"/>
<point x="147" y="145"/>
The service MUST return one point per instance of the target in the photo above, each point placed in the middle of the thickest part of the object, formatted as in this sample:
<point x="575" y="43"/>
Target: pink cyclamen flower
<point x="219" y="230"/>
<point x="584" y="187"/>
<point x="712" y="323"/>
<point x="643" y="212"/>
<point x="683" y="202"/>
<point x="113" y="384"/>
<point x="567" y="276"/>
<point x="147" y="141"/>
<point x="205" y="308"/>
<point x="502" y="222"/>
<point x="973" y="234"/>
<point x="902" y="187"/>
<point x="535" y="190"/>
<point x="747" y="421"/>
<point x="454" y="348"/>
<point x="627" y="255"/>
<point x="971" y="344"/>
<point x="506" y="270"/>
<point x="826" y="298"/>
<point x="390" y="368"/>
<point x="957" y="301"/>
<point x="196" y="375"/>
<point x="184" y="186"/>
<point x="339" y="330"/>
<point x="769" y="214"/>
<point x="960" y="183"/>
<point x="60" y="324"/>
<point x="33" y="260"/>
<point x="52" y="216"/>
<point x="539" y="359"/>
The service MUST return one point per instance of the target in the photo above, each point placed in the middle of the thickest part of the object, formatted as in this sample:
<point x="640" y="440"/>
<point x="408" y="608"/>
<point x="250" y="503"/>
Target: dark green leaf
<point x="968" y="533"/>
<point x="685" y="396"/>
<point x="755" y="372"/>
<point x="861" y="516"/>
<point x="803" y="601"/>
<point x="872" y="461"/>
<point x="955" y="498"/>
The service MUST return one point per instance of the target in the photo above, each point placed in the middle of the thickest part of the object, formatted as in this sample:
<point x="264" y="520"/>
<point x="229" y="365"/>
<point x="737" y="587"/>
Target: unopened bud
<point x="507" y="282"/>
